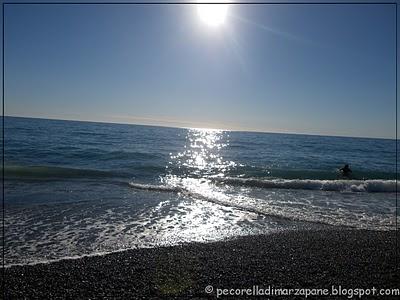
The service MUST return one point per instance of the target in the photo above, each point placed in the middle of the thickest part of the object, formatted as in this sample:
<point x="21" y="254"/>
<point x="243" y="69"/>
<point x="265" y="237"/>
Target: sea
<point x="76" y="189"/>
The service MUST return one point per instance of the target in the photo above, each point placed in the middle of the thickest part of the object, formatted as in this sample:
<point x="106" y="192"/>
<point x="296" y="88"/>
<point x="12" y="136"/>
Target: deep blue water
<point x="76" y="188"/>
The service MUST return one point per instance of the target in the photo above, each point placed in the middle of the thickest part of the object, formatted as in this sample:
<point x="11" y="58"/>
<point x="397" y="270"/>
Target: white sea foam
<point x="156" y="187"/>
<point x="190" y="210"/>
<point x="370" y="186"/>
<point x="330" y="209"/>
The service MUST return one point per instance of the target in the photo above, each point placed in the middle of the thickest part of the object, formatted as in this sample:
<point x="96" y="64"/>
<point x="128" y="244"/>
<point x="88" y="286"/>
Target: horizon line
<point x="192" y="127"/>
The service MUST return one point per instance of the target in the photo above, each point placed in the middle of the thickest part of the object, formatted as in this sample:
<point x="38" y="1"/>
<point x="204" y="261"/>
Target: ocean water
<point x="81" y="188"/>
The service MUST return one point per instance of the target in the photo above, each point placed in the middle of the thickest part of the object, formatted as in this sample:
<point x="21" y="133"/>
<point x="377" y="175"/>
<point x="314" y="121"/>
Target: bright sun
<point x="212" y="14"/>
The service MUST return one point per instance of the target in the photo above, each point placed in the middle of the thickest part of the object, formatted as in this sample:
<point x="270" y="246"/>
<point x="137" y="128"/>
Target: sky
<point x="314" y="69"/>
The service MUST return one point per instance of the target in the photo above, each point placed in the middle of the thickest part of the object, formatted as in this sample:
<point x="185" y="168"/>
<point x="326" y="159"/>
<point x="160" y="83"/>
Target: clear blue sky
<point x="317" y="69"/>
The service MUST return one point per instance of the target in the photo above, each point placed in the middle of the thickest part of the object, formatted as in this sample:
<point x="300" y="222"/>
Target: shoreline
<point x="289" y="259"/>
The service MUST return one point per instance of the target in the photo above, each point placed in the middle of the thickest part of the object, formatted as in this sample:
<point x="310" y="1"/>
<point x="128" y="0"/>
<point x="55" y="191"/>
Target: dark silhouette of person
<point x="346" y="171"/>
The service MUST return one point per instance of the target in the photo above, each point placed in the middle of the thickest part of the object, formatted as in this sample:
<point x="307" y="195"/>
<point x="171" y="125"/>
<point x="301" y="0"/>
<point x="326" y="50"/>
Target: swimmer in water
<point x="346" y="171"/>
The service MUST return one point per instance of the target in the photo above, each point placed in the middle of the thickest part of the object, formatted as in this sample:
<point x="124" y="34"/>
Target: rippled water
<point x="79" y="188"/>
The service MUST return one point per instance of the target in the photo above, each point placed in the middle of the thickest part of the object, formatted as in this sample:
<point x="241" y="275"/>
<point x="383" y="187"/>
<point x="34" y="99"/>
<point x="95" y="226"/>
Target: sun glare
<point x="212" y="14"/>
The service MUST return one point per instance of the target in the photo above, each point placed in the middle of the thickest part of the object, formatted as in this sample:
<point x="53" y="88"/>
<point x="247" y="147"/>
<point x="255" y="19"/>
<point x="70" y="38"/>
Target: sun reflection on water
<point x="192" y="171"/>
<point x="202" y="155"/>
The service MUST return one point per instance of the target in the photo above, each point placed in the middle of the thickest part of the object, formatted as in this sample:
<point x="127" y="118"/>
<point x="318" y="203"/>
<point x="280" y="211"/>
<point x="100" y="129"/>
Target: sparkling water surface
<point x="81" y="188"/>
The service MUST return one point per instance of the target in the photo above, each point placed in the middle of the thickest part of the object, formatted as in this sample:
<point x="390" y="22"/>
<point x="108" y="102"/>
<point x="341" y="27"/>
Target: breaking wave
<point x="156" y="187"/>
<point x="370" y="186"/>
<point x="358" y="186"/>
<point x="311" y="214"/>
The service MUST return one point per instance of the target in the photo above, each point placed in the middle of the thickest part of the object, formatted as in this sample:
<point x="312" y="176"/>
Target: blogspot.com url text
<point x="339" y="291"/>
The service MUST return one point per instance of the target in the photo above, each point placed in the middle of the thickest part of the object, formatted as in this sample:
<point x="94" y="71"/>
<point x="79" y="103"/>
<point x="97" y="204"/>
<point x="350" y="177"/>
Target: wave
<point x="47" y="172"/>
<point x="358" y="186"/>
<point x="248" y="171"/>
<point x="370" y="186"/>
<point x="281" y="212"/>
<point x="176" y="189"/>
<point x="332" y="174"/>
<point x="157" y="188"/>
